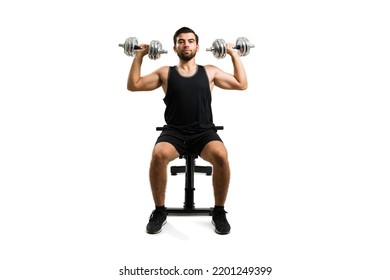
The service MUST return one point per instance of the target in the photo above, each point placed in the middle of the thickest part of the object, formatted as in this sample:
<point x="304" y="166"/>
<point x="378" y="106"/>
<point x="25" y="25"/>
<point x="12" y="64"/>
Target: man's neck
<point x="187" y="68"/>
<point x="187" y="65"/>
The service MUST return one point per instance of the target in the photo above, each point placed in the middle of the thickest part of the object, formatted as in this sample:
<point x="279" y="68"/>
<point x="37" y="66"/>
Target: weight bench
<point x="190" y="169"/>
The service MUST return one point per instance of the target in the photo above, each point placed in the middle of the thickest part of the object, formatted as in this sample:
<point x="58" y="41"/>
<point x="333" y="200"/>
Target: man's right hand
<point x="143" y="51"/>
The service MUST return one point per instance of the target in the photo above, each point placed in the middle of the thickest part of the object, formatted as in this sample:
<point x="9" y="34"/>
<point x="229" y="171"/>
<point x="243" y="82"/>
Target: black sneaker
<point x="157" y="219"/>
<point x="219" y="221"/>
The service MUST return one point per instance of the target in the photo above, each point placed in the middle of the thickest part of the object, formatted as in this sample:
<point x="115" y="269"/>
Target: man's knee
<point x="163" y="153"/>
<point x="216" y="153"/>
<point x="221" y="157"/>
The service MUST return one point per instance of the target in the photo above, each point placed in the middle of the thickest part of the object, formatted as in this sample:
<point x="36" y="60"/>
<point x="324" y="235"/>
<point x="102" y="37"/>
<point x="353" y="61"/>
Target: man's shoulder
<point x="210" y="69"/>
<point x="163" y="70"/>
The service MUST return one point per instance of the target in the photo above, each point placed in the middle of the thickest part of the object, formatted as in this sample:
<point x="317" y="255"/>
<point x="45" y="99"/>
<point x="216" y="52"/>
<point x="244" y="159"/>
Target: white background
<point x="308" y="140"/>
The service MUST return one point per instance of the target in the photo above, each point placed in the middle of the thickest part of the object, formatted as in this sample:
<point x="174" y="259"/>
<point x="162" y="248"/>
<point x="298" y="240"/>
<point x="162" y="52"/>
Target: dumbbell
<point x="131" y="44"/>
<point x="219" y="47"/>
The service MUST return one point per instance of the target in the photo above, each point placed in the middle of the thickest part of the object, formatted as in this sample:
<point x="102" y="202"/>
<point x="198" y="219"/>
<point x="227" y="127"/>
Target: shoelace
<point x="220" y="215"/>
<point x="156" y="215"/>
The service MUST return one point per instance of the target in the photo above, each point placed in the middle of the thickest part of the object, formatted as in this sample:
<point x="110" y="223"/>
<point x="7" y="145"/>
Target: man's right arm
<point x="135" y="81"/>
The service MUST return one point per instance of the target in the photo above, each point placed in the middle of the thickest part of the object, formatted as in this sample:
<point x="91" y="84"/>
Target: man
<point x="189" y="121"/>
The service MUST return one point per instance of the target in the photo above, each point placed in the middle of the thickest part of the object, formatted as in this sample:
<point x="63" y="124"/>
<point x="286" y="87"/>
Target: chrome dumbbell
<point x="219" y="47"/>
<point x="131" y="45"/>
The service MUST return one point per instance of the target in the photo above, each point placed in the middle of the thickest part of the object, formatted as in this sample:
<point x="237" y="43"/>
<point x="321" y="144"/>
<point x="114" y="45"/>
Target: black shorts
<point x="188" y="144"/>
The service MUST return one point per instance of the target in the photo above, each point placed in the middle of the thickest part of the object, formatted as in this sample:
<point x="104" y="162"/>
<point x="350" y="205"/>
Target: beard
<point x="186" y="56"/>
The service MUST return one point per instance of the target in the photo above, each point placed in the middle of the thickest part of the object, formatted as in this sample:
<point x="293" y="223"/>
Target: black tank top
<point x="188" y="101"/>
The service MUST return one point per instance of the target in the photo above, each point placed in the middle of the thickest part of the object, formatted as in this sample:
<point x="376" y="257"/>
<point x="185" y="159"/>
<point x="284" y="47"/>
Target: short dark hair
<point x="185" y="30"/>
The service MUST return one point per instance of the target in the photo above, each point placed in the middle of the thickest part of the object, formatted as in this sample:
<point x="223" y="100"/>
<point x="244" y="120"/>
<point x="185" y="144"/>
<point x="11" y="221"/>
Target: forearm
<point x="239" y="71"/>
<point x="135" y="73"/>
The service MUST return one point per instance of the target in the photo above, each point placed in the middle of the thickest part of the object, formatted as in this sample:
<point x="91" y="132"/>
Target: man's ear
<point x="174" y="48"/>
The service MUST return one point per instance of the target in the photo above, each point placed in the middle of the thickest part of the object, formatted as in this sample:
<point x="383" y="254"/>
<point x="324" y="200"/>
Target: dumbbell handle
<point x="135" y="47"/>
<point x="239" y="47"/>
<point x="234" y="47"/>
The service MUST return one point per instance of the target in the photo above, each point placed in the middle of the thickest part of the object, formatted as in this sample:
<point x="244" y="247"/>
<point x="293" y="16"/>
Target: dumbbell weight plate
<point x="243" y="46"/>
<point x="155" y="50"/>
<point x="130" y="46"/>
<point x="219" y="48"/>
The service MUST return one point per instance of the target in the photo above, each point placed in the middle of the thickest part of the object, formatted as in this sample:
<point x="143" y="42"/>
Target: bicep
<point x="149" y="82"/>
<point x="225" y="80"/>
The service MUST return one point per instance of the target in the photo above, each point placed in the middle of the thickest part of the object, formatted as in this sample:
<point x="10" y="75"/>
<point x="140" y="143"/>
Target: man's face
<point x="186" y="46"/>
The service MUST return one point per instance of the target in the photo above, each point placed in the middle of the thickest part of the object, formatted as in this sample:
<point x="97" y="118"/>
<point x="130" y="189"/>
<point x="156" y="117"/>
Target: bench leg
<point x="189" y="205"/>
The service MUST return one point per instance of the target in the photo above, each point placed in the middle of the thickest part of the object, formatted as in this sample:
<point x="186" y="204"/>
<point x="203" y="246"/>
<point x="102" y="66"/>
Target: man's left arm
<point x="235" y="81"/>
